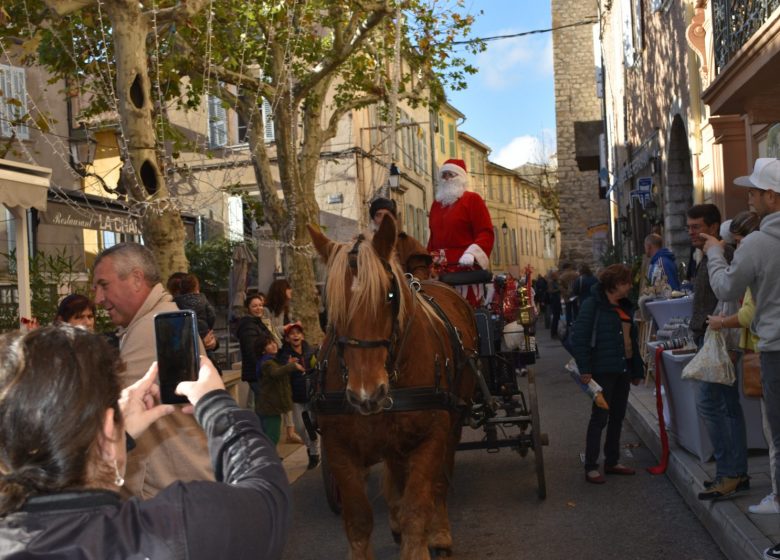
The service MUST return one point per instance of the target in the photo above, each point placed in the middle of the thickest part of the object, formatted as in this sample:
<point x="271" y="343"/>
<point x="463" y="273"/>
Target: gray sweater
<point x="756" y="265"/>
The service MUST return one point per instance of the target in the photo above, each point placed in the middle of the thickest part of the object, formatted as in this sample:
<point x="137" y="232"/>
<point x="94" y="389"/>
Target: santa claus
<point x="461" y="228"/>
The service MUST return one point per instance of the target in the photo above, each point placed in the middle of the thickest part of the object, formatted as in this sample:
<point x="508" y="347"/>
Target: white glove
<point x="466" y="259"/>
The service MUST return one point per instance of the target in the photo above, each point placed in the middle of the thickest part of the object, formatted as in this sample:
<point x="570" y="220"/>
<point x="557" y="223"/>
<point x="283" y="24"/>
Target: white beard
<point x="450" y="190"/>
<point x="372" y="227"/>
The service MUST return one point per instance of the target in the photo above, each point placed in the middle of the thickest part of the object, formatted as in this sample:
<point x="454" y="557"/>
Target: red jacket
<point x="457" y="226"/>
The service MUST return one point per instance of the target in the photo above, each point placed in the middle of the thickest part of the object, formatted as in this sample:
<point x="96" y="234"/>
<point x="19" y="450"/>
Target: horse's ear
<point x="384" y="238"/>
<point x="322" y="244"/>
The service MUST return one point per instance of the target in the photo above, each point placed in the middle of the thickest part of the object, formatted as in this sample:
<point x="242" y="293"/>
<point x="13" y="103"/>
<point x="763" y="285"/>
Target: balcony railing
<point x="734" y="23"/>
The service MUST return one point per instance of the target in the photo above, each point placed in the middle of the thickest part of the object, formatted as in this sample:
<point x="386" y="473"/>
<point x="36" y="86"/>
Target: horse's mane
<point x="368" y="292"/>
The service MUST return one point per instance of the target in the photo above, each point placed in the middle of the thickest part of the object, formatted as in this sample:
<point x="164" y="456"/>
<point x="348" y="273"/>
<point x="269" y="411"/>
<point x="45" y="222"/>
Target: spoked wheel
<point x="332" y="493"/>
<point x="537" y="437"/>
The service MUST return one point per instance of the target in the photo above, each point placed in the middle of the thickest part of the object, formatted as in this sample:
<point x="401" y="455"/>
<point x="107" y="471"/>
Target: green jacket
<point x="608" y="353"/>
<point x="275" y="389"/>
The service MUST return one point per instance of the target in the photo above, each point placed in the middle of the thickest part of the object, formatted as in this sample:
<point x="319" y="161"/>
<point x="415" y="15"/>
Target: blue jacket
<point x="664" y="257"/>
<point x="608" y="353"/>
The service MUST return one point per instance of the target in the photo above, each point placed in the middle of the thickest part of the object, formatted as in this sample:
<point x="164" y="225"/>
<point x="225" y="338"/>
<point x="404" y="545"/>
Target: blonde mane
<point x="366" y="294"/>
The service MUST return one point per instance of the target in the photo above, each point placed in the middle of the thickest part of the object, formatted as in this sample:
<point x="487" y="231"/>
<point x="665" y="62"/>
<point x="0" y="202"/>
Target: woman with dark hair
<point x="61" y="471"/>
<point x="250" y="328"/>
<point x="280" y="314"/>
<point x="278" y="305"/>
<point x="606" y="349"/>
<point x="77" y="310"/>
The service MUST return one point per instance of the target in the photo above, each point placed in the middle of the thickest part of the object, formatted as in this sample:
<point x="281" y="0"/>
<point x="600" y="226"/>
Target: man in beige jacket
<point x="127" y="285"/>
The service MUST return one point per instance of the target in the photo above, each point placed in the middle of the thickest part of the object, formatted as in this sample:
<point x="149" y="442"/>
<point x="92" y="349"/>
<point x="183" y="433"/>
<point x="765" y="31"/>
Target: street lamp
<point x="394" y="179"/>
<point x="504" y="229"/>
<point x="83" y="146"/>
<point x="651" y="212"/>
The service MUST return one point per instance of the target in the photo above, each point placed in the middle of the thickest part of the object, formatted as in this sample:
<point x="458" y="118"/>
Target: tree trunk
<point x="162" y="226"/>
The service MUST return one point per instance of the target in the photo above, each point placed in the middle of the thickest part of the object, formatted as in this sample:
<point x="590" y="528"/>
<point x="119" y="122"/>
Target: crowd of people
<point x="106" y="436"/>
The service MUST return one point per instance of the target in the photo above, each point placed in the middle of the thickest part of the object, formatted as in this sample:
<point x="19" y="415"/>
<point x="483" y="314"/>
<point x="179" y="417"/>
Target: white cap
<point x="765" y="176"/>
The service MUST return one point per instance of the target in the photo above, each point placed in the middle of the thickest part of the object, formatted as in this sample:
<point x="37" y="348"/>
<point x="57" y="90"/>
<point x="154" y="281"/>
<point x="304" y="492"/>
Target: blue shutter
<point x="217" y="123"/>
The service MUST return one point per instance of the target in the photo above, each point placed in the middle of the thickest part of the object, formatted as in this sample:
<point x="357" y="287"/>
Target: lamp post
<point x="504" y="229"/>
<point x="83" y="147"/>
<point x="394" y="179"/>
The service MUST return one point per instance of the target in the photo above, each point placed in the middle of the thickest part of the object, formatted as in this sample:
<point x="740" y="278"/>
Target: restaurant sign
<point x="90" y="218"/>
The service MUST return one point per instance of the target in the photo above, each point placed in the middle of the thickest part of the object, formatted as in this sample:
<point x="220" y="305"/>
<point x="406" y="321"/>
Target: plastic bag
<point x="712" y="362"/>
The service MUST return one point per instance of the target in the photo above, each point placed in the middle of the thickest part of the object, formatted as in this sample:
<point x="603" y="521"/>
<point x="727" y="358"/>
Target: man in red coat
<point x="459" y="221"/>
<point x="461" y="229"/>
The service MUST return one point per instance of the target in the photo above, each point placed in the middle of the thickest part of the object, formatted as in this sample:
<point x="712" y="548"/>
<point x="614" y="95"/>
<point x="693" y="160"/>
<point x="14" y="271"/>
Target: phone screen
<point x="176" y="337"/>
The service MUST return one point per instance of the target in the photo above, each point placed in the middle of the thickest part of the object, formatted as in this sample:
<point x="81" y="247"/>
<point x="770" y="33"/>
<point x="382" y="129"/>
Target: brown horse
<point x="396" y="377"/>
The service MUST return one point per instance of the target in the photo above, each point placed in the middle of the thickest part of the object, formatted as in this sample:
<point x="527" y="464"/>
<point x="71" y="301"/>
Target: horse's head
<point x="366" y="300"/>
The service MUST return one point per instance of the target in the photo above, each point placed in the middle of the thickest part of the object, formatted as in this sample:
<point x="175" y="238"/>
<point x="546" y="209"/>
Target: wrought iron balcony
<point x="734" y="23"/>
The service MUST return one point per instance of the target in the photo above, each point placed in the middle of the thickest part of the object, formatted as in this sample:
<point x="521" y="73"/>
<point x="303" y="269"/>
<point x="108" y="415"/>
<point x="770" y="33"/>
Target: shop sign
<point x="60" y="215"/>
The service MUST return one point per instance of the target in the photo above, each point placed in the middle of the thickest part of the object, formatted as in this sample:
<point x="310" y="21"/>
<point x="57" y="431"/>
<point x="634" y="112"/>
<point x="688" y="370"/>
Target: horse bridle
<point x="394" y="297"/>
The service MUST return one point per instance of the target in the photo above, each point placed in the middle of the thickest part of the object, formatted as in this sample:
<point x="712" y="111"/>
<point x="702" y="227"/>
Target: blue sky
<point x="510" y="103"/>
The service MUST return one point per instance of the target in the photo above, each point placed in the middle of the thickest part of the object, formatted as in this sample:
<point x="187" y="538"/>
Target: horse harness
<point x="401" y="399"/>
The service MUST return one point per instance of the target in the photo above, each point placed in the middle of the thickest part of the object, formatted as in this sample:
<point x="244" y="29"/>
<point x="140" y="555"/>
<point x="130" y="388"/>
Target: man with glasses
<point x="717" y="404"/>
<point x="756" y="265"/>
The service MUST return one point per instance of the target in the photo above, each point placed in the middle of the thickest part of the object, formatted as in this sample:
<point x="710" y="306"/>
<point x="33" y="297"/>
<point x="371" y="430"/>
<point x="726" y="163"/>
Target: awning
<point x="23" y="185"/>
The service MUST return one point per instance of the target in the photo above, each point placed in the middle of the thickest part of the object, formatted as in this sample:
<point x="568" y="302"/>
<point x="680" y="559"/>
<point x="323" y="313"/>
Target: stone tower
<point x="578" y="115"/>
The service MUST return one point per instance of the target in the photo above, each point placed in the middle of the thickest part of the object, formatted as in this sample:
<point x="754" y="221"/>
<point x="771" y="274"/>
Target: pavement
<point x="740" y="535"/>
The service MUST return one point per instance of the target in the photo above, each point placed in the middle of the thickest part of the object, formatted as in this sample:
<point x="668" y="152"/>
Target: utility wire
<point x="524" y="33"/>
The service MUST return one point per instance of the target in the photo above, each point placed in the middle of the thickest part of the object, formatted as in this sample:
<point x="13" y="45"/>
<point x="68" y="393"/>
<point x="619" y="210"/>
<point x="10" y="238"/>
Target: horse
<point x="397" y="375"/>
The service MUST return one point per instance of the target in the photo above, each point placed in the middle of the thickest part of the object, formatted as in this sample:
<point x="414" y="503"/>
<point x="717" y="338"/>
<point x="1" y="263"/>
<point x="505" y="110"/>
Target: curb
<point x="735" y="534"/>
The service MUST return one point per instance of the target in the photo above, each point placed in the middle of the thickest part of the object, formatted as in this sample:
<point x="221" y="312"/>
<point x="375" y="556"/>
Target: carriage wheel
<point x="332" y="493"/>
<point x="537" y="438"/>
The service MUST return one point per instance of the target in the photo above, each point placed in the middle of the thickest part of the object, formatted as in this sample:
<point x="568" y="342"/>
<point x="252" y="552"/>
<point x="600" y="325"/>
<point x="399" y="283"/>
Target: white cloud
<point x="508" y="62"/>
<point x="522" y="149"/>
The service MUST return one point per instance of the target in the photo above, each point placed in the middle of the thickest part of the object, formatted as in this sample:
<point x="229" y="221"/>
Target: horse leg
<point x="439" y="535"/>
<point x="394" y="482"/>
<point x="418" y="503"/>
<point x="356" y="509"/>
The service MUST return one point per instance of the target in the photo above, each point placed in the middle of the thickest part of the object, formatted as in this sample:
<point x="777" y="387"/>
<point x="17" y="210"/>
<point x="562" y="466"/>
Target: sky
<point x="510" y="103"/>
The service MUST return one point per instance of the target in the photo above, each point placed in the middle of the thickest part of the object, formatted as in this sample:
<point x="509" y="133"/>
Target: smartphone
<point x="176" y="338"/>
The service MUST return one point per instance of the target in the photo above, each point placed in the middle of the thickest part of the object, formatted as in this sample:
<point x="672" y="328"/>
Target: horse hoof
<point x="441" y="552"/>
<point x="396" y="537"/>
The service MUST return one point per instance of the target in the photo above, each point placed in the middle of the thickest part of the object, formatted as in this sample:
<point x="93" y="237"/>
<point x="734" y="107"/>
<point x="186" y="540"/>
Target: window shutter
<point x="217" y="123"/>
<point x="14" y="102"/>
<point x="268" y="122"/>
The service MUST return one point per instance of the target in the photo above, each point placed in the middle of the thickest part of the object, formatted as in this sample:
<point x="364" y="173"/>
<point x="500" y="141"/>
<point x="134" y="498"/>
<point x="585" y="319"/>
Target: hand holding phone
<point x="176" y="338"/>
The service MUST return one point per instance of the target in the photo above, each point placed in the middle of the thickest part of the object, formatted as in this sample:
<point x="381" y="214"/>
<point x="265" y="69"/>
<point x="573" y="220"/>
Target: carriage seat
<point x="465" y="277"/>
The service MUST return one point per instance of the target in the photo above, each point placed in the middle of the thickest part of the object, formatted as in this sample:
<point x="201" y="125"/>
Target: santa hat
<point x="457" y="166"/>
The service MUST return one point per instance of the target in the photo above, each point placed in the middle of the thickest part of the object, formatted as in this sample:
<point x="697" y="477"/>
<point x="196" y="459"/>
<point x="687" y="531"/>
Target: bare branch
<point x="179" y="13"/>
<point x="63" y="7"/>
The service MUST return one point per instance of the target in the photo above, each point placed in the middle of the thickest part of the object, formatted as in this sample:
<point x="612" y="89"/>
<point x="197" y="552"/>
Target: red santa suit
<point x="460" y="223"/>
<point x="464" y="226"/>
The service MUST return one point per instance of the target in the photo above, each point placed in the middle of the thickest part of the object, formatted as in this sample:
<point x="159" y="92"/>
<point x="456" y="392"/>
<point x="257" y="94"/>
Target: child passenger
<point x="275" y="394"/>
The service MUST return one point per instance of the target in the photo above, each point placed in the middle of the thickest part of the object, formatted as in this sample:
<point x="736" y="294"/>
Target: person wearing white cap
<point x="756" y="265"/>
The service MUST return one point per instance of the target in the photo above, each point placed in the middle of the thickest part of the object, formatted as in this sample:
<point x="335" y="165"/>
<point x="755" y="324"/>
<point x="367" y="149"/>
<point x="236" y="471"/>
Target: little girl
<point x="275" y="394"/>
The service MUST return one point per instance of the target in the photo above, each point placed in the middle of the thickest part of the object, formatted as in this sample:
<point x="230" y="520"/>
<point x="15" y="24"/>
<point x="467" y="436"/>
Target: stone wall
<point x="575" y="101"/>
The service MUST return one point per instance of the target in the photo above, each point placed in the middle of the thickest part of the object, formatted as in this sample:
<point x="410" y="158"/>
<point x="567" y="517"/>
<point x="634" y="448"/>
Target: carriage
<point x="406" y="365"/>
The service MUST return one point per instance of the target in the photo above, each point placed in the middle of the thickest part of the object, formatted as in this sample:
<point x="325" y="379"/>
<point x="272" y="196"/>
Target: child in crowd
<point x="297" y="348"/>
<point x="275" y="394"/>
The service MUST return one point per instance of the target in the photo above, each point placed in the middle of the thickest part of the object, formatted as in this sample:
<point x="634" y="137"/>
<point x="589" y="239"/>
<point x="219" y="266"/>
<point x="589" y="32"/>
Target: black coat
<point x="245" y="515"/>
<point x="250" y="329"/>
<point x="608" y="354"/>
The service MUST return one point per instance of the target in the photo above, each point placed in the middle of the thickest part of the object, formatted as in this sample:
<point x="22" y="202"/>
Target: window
<point x="235" y="218"/>
<point x="490" y="187"/>
<point x="451" y="134"/>
<point x="217" y="123"/>
<point x="631" y="11"/>
<point x="501" y="188"/>
<point x="13" y="102"/>
<point x="515" y="259"/>
<point x="424" y="156"/>
<point x="509" y="191"/>
<point x="421" y="233"/>
<point x="442" y="141"/>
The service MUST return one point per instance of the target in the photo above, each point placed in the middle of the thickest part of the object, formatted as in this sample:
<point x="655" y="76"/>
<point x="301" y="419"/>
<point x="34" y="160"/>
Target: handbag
<point x="712" y="362"/>
<point x="751" y="374"/>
